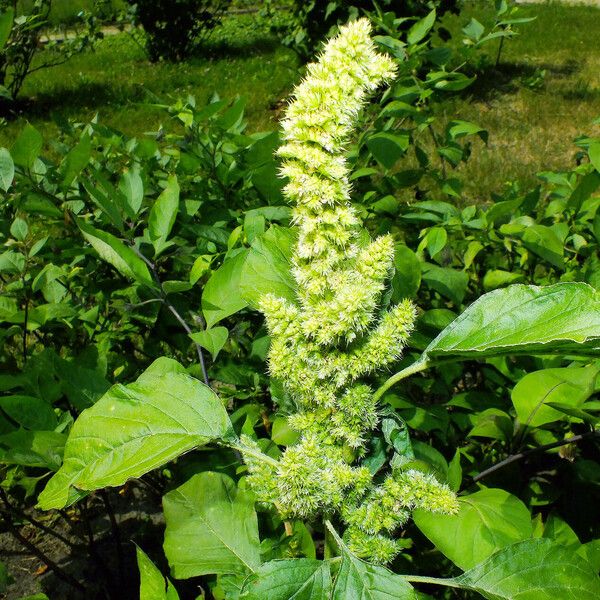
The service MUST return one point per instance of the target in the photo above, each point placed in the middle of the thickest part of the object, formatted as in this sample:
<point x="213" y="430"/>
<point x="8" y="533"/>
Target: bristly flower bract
<point x="337" y="333"/>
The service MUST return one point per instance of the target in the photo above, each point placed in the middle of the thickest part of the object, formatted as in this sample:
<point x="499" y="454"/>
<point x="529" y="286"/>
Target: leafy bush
<point x="127" y="259"/>
<point x="175" y="27"/>
<point x="310" y="22"/>
<point x="20" y="35"/>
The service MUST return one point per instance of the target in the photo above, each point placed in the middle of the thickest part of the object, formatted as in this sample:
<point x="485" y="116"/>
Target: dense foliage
<point x="173" y="28"/>
<point x="132" y="347"/>
<point x="20" y="40"/>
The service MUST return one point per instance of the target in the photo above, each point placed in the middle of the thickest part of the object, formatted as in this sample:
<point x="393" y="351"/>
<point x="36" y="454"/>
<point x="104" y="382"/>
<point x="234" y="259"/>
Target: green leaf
<point x="450" y="283"/>
<point x="358" y="579"/>
<point x="132" y="188"/>
<point x="568" y="387"/>
<point x="524" y="319"/>
<point x="6" y="23"/>
<point x="211" y="339"/>
<point x="435" y="240"/>
<point x="163" y="214"/>
<point x="30" y="412"/>
<point x="152" y="583"/>
<point x="388" y="148"/>
<point x="27" y="147"/>
<point x="212" y="528"/>
<point x="267" y="269"/>
<point x="76" y="160"/>
<point x="221" y="296"/>
<point x="487" y="521"/>
<point x="498" y="278"/>
<point x="407" y="275"/>
<point x="545" y="243"/>
<point x="116" y="253"/>
<point x="7" y="169"/>
<point x="19" y="229"/>
<point x="421" y="28"/>
<point x="136" y="428"/>
<point x="474" y="30"/>
<point x="32" y="448"/>
<point x="535" y="569"/>
<point x="294" y="579"/>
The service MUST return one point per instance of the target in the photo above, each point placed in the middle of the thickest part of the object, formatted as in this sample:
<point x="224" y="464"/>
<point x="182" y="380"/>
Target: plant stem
<point x="116" y="535"/>
<point x="434" y="580"/>
<point x="66" y="577"/>
<point x="165" y="300"/>
<point x="520" y="455"/>
<point x="416" y="367"/>
<point x="256" y="454"/>
<point x="23" y="515"/>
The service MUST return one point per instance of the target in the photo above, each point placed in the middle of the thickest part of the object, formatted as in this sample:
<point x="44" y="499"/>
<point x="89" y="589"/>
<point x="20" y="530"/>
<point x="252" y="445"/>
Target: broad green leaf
<point x="421" y="28"/>
<point x="542" y="241"/>
<point x="211" y="339"/>
<point x="388" y="148"/>
<point x="163" y="214"/>
<point x="435" y="240"/>
<point x="294" y="579"/>
<point x="524" y="319"/>
<point x="76" y="160"/>
<point x="7" y="169"/>
<point x="535" y="569"/>
<point x="487" y="521"/>
<point x="6" y="23"/>
<point x="267" y="269"/>
<point x="407" y="275"/>
<point x="496" y="278"/>
<point x="568" y="387"/>
<point x="212" y="528"/>
<point x="358" y="579"/>
<point x="30" y="412"/>
<point x="32" y="448"/>
<point x="27" y="147"/>
<point x="19" y="229"/>
<point x="152" y="582"/>
<point x="450" y="283"/>
<point x="132" y="188"/>
<point x="135" y="428"/>
<point x="222" y="295"/>
<point x="116" y="253"/>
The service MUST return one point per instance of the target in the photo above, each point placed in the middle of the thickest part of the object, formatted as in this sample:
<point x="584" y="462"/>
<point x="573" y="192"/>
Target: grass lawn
<point x="116" y="79"/>
<point x="530" y="129"/>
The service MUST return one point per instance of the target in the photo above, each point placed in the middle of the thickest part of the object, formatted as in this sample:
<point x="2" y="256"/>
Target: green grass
<point x="532" y="129"/>
<point x="117" y="79"/>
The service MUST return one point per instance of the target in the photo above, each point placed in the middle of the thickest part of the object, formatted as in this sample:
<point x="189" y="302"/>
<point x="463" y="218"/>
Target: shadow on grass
<point x="508" y="78"/>
<point x="236" y="48"/>
<point x="69" y="100"/>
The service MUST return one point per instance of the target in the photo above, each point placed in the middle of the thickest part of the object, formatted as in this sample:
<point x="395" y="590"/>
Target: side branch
<point x="520" y="455"/>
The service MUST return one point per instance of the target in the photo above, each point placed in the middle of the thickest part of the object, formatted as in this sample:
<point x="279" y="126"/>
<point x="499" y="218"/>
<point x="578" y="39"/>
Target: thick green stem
<point x="416" y="367"/>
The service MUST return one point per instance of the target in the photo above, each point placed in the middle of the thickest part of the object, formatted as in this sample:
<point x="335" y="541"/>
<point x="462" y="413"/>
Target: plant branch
<point x="66" y="577"/>
<point x="23" y="515"/>
<point x="165" y="300"/>
<point x="433" y="580"/>
<point x="416" y="367"/>
<point x="520" y="455"/>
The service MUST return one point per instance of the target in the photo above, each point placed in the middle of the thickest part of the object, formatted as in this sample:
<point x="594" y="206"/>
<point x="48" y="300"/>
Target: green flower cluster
<point x="337" y="332"/>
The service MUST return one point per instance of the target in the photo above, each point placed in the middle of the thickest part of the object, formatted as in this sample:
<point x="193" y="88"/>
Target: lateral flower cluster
<point x="337" y="333"/>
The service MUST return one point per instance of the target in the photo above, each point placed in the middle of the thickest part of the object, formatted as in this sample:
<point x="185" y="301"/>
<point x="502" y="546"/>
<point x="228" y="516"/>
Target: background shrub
<point x="175" y="27"/>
